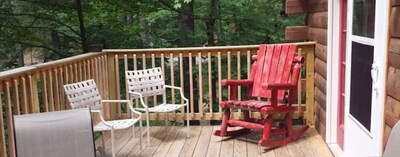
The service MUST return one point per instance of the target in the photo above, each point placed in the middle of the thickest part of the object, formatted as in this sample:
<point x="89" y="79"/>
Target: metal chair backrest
<point x="148" y="82"/>
<point x="83" y="94"/>
<point x="66" y="133"/>
<point x="273" y="65"/>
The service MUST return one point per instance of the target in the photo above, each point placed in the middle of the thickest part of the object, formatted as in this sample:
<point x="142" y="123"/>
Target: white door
<point x="365" y="74"/>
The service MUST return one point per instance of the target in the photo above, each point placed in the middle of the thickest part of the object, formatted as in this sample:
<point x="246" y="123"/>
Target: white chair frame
<point x="85" y="94"/>
<point x="150" y="82"/>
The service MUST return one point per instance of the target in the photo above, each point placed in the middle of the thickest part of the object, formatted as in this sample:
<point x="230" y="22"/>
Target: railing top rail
<point x="195" y="48"/>
<point x="28" y="69"/>
<point x="17" y="71"/>
<point x="67" y="60"/>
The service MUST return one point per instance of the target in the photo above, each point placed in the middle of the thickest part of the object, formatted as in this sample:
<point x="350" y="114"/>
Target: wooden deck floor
<point x="172" y="142"/>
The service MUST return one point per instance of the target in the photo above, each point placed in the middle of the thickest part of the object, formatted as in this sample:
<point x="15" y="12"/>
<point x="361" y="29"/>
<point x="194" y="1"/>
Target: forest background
<point x="63" y="28"/>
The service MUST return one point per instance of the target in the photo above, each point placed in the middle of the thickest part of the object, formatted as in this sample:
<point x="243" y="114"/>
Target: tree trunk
<point x="144" y="34"/>
<point x="81" y="26"/>
<point x="186" y="27"/>
<point x="212" y="41"/>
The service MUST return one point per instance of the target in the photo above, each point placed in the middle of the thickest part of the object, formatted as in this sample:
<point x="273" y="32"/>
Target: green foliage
<point x="54" y="25"/>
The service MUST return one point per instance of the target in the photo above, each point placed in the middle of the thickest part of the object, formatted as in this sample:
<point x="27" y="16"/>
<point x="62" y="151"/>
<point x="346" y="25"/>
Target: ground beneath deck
<point x="172" y="141"/>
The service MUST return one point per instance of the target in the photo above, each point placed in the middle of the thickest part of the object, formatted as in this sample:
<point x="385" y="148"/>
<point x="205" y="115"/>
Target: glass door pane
<point x="364" y="18"/>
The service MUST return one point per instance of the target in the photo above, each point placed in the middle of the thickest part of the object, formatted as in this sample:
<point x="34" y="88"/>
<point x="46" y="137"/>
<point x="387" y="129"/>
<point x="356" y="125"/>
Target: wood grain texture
<point x="393" y="85"/>
<point x="320" y="127"/>
<point x="320" y="98"/>
<point x="318" y="20"/>
<point x="320" y="52"/>
<point x="395" y="22"/>
<point x="171" y="143"/>
<point x="297" y="33"/>
<point x="317" y="6"/>
<point x="318" y="34"/>
<point x="392" y="111"/>
<point x="320" y="67"/>
<point x="394" y="45"/>
<point x="394" y="60"/>
<point x="320" y="113"/>
<point x="386" y="132"/>
<point x="395" y="2"/>
<point x="296" y="6"/>
<point x="320" y="82"/>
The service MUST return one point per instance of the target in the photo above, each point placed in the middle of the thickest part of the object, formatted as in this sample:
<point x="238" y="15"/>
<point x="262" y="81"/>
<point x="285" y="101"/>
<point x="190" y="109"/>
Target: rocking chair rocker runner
<point x="274" y="75"/>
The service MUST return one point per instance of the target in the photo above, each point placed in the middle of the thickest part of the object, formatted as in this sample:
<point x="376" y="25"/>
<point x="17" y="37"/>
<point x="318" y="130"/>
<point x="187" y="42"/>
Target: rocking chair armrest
<point x="227" y="82"/>
<point x="180" y="90"/>
<point x="279" y="86"/>
<point x="140" y="97"/>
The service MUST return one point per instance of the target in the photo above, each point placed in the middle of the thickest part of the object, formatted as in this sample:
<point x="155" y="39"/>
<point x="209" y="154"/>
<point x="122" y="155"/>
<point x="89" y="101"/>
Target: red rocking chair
<point x="274" y="75"/>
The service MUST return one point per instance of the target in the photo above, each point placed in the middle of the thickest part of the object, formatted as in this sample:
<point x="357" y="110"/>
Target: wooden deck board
<point x="215" y="144"/>
<point x="172" y="142"/>
<point x="203" y="142"/>
<point x="178" y="143"/>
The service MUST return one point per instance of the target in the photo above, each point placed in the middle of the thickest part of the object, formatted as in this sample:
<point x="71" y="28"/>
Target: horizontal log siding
<point x="392" y="104"/>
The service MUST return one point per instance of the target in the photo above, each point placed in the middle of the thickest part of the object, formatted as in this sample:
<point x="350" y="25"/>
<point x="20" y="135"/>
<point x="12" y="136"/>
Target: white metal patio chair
<point x="150" y="82"/>
<point x="66" y="133"/>
<point x="85" y="94"/>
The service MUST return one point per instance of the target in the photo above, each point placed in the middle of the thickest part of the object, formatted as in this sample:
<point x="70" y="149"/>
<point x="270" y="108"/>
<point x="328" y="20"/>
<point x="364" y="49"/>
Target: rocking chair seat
<point x="257" y="105"/>
<point x="162" y="108"/>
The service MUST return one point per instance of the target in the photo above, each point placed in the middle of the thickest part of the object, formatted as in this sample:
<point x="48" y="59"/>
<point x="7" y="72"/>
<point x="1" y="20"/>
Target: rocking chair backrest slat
<point x="83" y="94"/>
<point x="273" y="65"/>
<point x="148" y="82"/>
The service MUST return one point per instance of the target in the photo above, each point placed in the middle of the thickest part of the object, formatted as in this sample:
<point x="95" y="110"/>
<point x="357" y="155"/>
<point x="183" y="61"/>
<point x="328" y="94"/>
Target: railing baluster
<point x="299" y="89"/>
<point x="239" y="66"/>
<point x="33" y="94"/>
<point x="126" y="85"/>
<point x="24" y="97"/>
<point x="219" y="84"/>
<point x="9" y="119"/>
<point x="44" y="92"/>
<point x="135" y="68"/>
<point x="17" y="109"/>
<point x="181" y="79"/>
<point x="153" y="64"/>
<point x="50" y="91"/>
<point x="200" y="105"/>
<point x="191" y="84"/>
<point x="164" y="97"/>
<point x="119" y="110"/>
<point x="76" y="73"/>
<point x="144" y="67"/>
<point x="62" y="94"/>
<point x="57" y="90"/>
<point x="171" y="61"/>
<point x="229" y="73"/>
<point x="3" y="150"/>
<point x="210" y="89"/>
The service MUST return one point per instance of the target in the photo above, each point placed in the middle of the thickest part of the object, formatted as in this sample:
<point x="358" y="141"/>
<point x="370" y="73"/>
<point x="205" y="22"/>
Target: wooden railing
<point x="39" y="88"/>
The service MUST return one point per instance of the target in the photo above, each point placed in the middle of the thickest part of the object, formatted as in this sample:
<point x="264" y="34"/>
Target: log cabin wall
<point x="314" y="30"/>
<point x="392" y="105"/>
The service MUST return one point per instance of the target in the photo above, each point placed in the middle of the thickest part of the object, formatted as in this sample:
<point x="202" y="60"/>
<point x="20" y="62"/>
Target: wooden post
<point x="34" y="93"/>
<point x="310" y="50"/>
<point x="112" y="84"/>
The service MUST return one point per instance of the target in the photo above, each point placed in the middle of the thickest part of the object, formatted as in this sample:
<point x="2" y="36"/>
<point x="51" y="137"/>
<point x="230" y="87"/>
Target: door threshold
<point x="336" y="150"/>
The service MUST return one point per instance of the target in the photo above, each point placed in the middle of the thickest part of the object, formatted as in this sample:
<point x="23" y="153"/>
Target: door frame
<point x="380" y="43"/>
<point x="332" y="81"/>
<point x="333" y="64"/>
